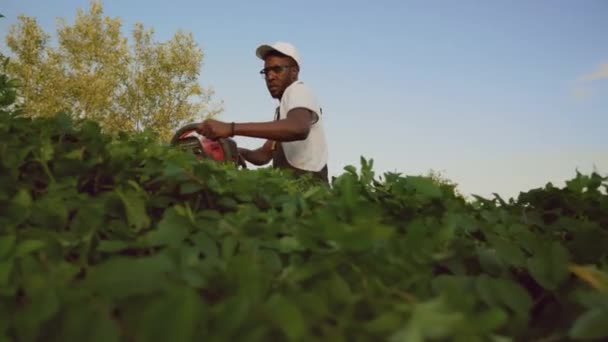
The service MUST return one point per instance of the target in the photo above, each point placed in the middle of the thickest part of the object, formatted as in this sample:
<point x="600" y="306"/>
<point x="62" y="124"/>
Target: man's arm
<point x="295" y="127"/>
<point x="259" y="156"/>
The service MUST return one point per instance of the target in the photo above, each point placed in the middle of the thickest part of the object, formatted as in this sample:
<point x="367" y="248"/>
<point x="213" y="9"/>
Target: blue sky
<point x="499" y="96"/>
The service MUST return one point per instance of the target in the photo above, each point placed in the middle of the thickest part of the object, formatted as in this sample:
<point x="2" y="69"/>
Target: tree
<point x="8" y="93"/>
<point x="95" y="73"/>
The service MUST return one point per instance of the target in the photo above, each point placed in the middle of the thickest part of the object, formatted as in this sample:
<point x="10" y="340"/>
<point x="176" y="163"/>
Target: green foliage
<point x="128" y="240"/>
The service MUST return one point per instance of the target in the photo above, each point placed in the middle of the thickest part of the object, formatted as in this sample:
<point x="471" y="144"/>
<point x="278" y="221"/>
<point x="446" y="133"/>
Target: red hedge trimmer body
<point x="221" y="150"/>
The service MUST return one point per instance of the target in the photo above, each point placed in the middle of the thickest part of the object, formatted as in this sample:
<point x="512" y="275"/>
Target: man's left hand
<point x="214" y="129"/>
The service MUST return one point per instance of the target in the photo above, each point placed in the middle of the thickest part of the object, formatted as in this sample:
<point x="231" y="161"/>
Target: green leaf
<point x="513" y="296"/>
<point x="229" y="245"/>
<point x="509" y="252"/>
<point x="88" y="219"/>
<point x="75" y="154"/>
<point x="172" y="230"/>
<point x="50" y="212"/>
<point x="122" y="277"/>
<point x="172" y="171"/>
<point x="135" y="209"/>
<point x="6" y="268"/>
<point x="425" y="187"/>
<point x="430" y="320"/>
<point x="593" y="300"/>
<point x="592" y="324"/>
<point x="339" y="289"/>
<point x="28" y="247"/>
<point x="87" y="323"/>
<point x="271" y="260"/>
<point x="6" y="245"/>
<point x="43" y="304"/>
<point x="173" y="317"/>
<point x="312" y="305"/>
<point x="458" y="290"/>
<point x="498" y="338"/>
<point x="112" y="246"/>
<point x="549" y="266"/>
<point x="490" y="320"/>
<point x="189" y="188"/>
<point x="207" y="245"/>
<point x="490" y="261"/>
<point x="287" y="317"/>
<point x="23" y="199"/>
<point x="579" y="183"/>
<point x="251" y="282"/>
<point x="350" y="169"/>
<point x="288" y="244"/>
<point x="505" y="293"/>
<point x="46" y="152"/>
<point x="386" y="322"/>
<point x="227" y="202"/>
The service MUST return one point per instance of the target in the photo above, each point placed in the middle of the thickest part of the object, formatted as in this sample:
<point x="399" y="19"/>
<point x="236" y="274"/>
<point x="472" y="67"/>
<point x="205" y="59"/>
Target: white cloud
<point x="598" y="74"/>
<point x="581" y="93"/>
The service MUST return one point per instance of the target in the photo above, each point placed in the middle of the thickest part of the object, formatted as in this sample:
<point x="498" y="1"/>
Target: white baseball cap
<point x="282" y="47"/>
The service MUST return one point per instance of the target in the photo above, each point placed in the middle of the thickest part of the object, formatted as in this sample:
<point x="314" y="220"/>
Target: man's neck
<point x="290" y="84"/>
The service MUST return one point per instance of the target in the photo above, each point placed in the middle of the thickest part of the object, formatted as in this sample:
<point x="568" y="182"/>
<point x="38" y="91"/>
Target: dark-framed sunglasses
<point x="277" y="69"/>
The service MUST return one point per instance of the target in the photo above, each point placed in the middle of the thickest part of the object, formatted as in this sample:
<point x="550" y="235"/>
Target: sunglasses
<point x="277" y="69"/>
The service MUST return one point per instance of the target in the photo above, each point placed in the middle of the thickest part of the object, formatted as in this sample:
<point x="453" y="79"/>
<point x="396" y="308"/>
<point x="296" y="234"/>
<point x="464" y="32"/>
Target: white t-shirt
<point x="311" y="153"/>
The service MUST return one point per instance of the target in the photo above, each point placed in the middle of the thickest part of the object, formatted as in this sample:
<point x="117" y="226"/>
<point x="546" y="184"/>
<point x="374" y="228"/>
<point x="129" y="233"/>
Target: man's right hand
<point x="259" y="156"/>
<point x="243" y="152"/>
<point x="241" y="160"/>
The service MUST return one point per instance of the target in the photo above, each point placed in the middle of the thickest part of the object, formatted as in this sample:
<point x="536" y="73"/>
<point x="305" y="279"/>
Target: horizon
<point x="498" y="98"/>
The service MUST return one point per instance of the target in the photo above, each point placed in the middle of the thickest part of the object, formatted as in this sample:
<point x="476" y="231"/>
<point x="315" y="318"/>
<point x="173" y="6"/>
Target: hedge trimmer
<point x="222" y="150"/>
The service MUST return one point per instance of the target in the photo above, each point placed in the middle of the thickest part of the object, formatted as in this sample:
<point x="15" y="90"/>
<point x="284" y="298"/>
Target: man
<point x="295" y="140"/>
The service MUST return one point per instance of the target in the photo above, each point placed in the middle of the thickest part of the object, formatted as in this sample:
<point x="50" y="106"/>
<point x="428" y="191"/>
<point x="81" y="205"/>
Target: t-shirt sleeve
<point x="301" y="97"/>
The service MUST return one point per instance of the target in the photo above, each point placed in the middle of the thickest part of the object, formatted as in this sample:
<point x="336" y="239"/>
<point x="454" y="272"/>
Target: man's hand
<point x="243" y="151"/>
<point x="259" y="156"/>
<point x="214" y="129"/>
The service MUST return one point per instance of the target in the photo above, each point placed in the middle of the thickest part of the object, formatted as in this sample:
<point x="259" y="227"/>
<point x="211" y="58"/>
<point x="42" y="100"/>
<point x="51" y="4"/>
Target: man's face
<point x="280" y="72"/>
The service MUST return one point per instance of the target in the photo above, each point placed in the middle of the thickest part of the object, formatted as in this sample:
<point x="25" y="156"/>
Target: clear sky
<point x="500" y="96"/>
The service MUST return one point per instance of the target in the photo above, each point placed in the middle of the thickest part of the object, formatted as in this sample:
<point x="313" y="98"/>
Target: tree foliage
<point x="94" y="72"/>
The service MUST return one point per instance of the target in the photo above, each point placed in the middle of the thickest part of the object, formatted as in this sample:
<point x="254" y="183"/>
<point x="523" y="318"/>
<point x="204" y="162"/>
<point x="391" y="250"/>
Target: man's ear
<point x="295" y="71"/>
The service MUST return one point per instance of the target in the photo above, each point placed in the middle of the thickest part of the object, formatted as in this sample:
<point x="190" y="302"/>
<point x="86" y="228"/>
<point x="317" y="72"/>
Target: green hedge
<point x="124" y="239"/>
